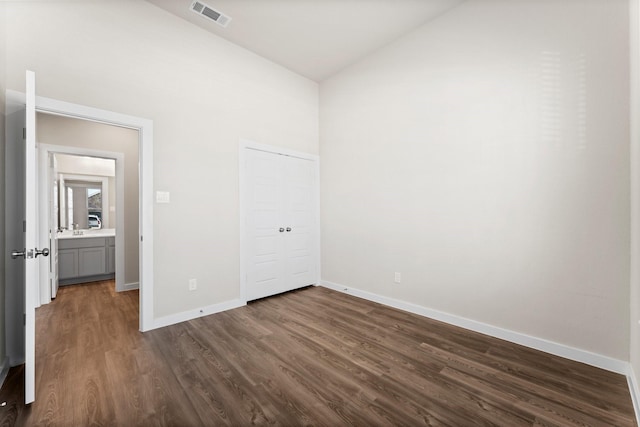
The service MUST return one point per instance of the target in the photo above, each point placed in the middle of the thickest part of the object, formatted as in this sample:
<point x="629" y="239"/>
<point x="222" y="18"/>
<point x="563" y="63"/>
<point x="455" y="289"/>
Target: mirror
<point x="86" y="192"/>
<point x="83" y="201"/>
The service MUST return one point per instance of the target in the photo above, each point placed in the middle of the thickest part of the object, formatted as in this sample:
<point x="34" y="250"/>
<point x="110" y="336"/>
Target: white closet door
<point x="280" y="214"/>
<point x="265" y="245"/>
<point x="300" y="222"/>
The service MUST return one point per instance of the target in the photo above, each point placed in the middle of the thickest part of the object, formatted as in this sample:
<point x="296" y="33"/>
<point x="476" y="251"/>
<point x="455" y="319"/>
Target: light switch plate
<point x="162" y="197"/>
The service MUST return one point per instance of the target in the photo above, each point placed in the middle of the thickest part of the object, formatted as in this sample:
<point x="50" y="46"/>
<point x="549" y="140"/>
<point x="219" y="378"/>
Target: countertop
<point x="103" y="232"/>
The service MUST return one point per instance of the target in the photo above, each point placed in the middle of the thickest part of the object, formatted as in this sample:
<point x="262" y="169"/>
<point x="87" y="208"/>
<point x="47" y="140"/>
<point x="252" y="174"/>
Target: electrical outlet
<point x="397" y="278"/>
<point x="193" y="284"/>
<point x="163" y="197"/>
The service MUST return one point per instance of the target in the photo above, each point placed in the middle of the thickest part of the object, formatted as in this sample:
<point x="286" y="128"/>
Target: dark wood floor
<point x="310" y="357"/>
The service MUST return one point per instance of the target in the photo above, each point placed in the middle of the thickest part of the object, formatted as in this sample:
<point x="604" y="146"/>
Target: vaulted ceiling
<point x="314" y="38"/>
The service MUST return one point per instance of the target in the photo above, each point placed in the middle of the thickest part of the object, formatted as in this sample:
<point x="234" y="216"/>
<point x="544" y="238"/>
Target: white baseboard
<point x="198" y="312"/>
<point x="4" y="370"/>
<point x="578" y="355"/>
<point x="131" y="286"/>
<point x="635" y="391"/>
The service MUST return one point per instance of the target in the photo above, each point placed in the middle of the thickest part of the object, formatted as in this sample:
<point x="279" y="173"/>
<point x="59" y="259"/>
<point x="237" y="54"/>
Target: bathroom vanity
<point x="86" y="257"/>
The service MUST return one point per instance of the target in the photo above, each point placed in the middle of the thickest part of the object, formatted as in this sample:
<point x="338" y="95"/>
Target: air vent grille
<point x="210" y="13"/>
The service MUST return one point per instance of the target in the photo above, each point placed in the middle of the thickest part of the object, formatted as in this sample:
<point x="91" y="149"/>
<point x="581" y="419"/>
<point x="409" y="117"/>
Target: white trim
<point x="130" y="286"/>
<point x="243" y="146"/>
<point x="634" y="390"/>
<point x="245" y="143"/>
<point x="145" y="132"/>
<point x="318" y="225"/>
<point x="578" y="355"/>
<point x="634" y="163"/>
<point x="184" y="316"/>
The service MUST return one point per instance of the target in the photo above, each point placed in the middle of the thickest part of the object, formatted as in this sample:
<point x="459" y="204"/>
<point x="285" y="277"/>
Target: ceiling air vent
<point x="210" y="13"/>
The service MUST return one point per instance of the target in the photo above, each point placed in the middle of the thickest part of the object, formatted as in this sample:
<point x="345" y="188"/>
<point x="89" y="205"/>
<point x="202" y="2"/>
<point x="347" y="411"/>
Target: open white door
<point x="31" y="252"/>
<point x="22" y="232"/>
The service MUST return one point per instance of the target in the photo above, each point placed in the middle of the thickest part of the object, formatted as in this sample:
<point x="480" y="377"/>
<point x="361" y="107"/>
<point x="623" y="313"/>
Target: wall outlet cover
<point x="163" y="197"/>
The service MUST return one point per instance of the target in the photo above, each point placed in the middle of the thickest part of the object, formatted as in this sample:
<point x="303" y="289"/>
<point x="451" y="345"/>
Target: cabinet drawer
<point x="81" y="242"/>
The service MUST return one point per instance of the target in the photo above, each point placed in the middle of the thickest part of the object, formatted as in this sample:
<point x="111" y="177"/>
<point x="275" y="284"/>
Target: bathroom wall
<point x="56" y="130"/>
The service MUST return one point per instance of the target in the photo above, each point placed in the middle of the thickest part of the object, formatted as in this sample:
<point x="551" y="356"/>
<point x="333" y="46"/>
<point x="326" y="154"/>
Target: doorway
<point x="79" y="155"/>
<point x="145" y="201"/>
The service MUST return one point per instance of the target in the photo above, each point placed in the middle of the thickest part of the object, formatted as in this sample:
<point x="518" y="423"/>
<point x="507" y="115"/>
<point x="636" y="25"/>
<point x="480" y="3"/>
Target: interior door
<point x="21" y="232"/>
<point x="30" y="236"/>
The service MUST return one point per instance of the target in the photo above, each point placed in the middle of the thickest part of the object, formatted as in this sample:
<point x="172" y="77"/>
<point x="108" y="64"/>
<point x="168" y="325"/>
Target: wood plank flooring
<point x="309" y="357"/>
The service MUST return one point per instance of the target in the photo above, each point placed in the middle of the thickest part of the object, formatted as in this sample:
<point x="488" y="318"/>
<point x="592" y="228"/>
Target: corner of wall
<point x="634" y="285"/>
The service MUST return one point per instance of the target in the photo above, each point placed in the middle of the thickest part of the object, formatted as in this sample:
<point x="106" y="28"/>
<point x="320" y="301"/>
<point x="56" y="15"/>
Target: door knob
<point x="281" y="229"/>
<point x="15" y="254"/>
<point x="288" y="229"/>
<point x="44" y="252"/>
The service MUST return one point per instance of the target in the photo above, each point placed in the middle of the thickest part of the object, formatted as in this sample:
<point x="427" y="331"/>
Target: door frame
<point x="245" y="145"/>
<point x="145" y="147"/>
<point x="45" y="150"/>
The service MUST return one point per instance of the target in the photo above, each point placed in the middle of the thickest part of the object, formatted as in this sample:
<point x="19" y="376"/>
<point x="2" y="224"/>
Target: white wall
<point x="203" y="95"/>
<point x="485" y="157"/>
<point x="634" y="299"/>
<point x="85" y="165"/>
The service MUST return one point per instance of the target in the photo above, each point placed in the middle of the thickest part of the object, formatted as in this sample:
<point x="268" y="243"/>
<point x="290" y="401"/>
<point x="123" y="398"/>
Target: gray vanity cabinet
<point x="67" y="263"/>
<point x="111" y="255"/>
<point x="85" y="259"/>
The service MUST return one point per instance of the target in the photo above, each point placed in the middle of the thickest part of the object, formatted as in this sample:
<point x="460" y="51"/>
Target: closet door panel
<point x="265" y="246"/>
<point x="300" y="213"/>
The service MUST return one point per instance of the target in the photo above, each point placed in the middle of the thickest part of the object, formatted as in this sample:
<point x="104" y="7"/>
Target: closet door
<point x="264" y="222"/>
<point x="300" y="221"/>
<point x="280" y="215"/>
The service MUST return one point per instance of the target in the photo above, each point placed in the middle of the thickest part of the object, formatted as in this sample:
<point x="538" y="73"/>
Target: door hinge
<point x="24" y="226"/>
<point x="24" y="133"/>
<point x="24" y="319"/>
<point x="141" y="238"/>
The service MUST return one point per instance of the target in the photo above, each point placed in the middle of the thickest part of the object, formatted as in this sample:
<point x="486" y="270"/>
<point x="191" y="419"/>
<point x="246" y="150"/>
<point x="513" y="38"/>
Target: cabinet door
<point x="67" y="263"/>
<point x="91" y="261"/>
